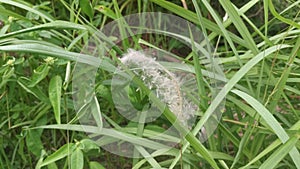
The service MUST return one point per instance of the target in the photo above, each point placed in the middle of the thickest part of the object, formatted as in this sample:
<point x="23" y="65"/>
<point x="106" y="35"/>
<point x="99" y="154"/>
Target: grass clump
<point x="47" y="47"/>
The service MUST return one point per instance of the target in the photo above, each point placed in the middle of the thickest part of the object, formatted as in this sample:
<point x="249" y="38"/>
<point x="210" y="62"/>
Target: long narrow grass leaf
<point x="271" y="121"/>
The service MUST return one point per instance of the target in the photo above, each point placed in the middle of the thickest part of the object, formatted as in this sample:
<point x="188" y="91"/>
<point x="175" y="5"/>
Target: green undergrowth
<point x="42" y="43"/>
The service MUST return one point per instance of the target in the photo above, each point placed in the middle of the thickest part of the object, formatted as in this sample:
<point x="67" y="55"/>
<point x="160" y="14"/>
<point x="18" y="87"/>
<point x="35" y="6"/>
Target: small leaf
<point x="52" y="166"/>
<point x="106" y="11"/>
<point x="86" y="8"/>
<point x="39" y="74"/>
<point x="6" y="76"/>
<point x="77" y="159"/>
<point x="40" y="160"/>
<point x="33" y="142"/>
<point x="36" y="91"/>
<point x="95" y="165"/>
<point x="103" y="92"/>
<point x="64" y="151"/>
<point x="19" y="61"/>
<point x="55" y="96"/>
<point x="88" y="144"/>
<point x="96" y="112"/>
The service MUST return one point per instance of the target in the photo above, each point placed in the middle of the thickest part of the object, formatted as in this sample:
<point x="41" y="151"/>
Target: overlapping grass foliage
<point x="259" y="48"/>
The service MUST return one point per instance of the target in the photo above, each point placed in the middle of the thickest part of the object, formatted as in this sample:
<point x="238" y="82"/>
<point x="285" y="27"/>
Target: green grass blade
<point x="199" y="76"/>
<point x="58" y="52"/>
<point x="242" y="145"/>
<point x="271" y="121"/>
<point x="280" y="153"/>
<point x="267" y="150"/>
<point x="279" y="87"/>
<point x="28" y="8"/>
<point x="11" y="13"/>
<point x="121" y="23"/>
<point x="50" y="50"/>
<point x="278" y="16"/>
<point x="239" y="24"/>
<point x="96" y="112"/>
<point x="232" y="82"/>
<point x="222" y="28"/>
<point x="225" y="34"/>
<point x="148" y="157"/>
<point x="270" y="148"/>
<point x="191" y="16"/>
<point x="51" y="25"/>
<point x="111" y="133"/>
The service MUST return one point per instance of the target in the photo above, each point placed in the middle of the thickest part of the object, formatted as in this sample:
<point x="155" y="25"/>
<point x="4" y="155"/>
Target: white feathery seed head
<point x="165" y="84"/>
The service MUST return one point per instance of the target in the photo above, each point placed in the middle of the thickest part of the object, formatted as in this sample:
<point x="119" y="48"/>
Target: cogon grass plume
<point x="164" y="84"/>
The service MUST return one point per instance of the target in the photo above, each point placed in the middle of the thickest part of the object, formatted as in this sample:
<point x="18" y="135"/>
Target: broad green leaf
<point x="39" y="74"/>
<point x="95" y="165"/>
<point x="87" y="8"/>
<point x="62" y="152"/>
<point x="55" y="87"/>
<point x="52" y="166"/>
<point x="88" y="144"/>
<point x="77" y="159"/>
<point x="33" y="142"/>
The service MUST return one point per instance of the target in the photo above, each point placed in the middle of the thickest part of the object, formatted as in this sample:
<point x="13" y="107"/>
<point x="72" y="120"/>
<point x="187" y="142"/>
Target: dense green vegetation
<point x="44" y="117"/>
